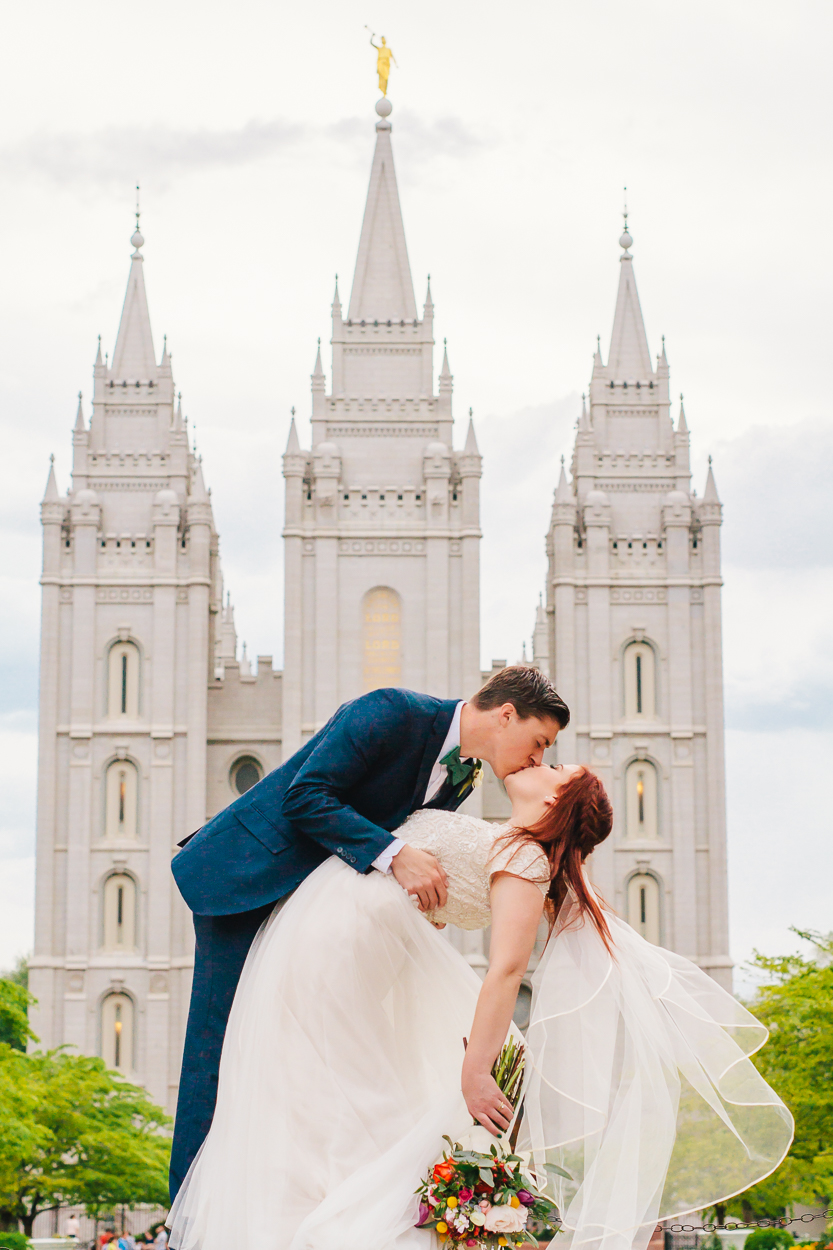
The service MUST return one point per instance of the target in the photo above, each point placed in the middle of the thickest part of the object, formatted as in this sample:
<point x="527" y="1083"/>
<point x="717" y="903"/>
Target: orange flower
<point x="444" y="1171"/>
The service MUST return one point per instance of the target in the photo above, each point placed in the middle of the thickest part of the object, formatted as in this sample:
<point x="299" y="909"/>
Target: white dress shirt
<point x="438" y="775"/>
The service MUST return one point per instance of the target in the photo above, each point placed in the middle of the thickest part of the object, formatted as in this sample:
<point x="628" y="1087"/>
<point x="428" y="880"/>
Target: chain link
<point x="778" y="1221"/>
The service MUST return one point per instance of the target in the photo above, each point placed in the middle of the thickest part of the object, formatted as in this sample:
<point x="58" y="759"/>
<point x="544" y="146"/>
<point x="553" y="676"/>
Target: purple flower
<point x="424" y="1212"/>
<point x="525" y="1198"/>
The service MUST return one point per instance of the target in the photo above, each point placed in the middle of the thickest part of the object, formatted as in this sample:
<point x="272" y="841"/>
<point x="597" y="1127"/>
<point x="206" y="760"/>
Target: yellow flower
<point x="502" y="1241"/>
<point x="451" y="1202"/>
<point x="514" y="1201"/>
<point x="442" y="1227"/>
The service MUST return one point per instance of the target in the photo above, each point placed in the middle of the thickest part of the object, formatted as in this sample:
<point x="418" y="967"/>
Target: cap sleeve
<point x="521" y="858"/>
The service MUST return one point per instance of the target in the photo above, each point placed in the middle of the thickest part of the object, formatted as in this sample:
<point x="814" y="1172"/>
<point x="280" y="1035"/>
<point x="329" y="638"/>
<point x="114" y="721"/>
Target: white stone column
<point x="294" y="467"/>
<point x="437" y="472"/>
<point x="562" y="615"/>
<point x="199" y="545"/>
<point x="43" y="979"/>
<point x="81" y="911"/>
<point x="679" y="805"/>
<point x="710" y="513"/>
<point x="469" y="464"/>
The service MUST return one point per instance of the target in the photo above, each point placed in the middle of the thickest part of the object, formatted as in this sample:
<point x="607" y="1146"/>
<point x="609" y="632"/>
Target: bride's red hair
<point x="572" y="827"/>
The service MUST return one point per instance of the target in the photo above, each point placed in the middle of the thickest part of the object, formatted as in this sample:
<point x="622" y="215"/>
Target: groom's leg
<point x="222" y="944"/>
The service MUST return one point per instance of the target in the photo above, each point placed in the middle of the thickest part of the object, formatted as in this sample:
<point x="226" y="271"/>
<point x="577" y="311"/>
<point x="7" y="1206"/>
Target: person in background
<point x="73" y="1228"/>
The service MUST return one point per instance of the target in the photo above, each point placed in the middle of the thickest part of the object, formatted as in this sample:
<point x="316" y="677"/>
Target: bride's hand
<point x="486" y="1104"/>
<point x="421" y="876"/>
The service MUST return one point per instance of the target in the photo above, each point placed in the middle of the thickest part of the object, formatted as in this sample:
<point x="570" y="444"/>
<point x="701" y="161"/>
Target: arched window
<point x="245" y="773"/>
<point x="641" y="800"/>
<point x="643" y="906"/>
<point x="117" y="1032"/>
<point x="123" y="687"/>
<point x="119" y="913"/>
<point x="121" y="800"/>
<point x="382" y="633"/>
<point x="640" y="681"/>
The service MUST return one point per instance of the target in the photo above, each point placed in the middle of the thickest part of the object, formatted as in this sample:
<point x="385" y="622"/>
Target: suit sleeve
<point x="365" y="736"/>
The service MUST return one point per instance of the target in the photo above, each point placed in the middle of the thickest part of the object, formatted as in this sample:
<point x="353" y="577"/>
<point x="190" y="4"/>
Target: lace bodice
<point x="464" y="847"/>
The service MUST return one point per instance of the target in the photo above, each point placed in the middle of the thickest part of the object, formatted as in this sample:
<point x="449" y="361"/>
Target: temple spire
<point x="79" y="416"/>
<point x="134" y="358"/>
<point x="710" y="494"/>
<point x="629" y="357"/>
<point x="293" y="447"/>
<point x="563" y="491"/>
<point x="471" y="448"/>
<point x="51" y="495"/>
<point x="382" y="285"/>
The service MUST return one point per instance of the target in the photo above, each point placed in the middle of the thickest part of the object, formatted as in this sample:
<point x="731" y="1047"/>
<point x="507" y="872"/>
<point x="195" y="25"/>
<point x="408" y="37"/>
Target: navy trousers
<point x="222" y="944"/>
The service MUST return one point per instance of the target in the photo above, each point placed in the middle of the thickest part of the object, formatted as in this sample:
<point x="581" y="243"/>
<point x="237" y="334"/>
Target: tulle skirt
<point x="341" y="1073"/>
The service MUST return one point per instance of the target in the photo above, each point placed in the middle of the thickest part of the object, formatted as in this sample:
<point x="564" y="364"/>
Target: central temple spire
<point x="382" y="285"/>
<point x="629" y="358"/>
<point x="133" y="358"/>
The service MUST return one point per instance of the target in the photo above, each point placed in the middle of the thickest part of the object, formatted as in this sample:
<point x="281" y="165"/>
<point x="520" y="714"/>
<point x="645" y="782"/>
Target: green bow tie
<point x="459" y="770"/>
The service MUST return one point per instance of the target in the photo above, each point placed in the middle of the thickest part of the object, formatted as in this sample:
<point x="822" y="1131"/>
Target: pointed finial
<point x="625" y="239"/>
<point x="710" y="462"/>
<point x="137" y="240"/>
<point x="562" y="462"/>
<point x="471" y="413"/>
<point x="292" y="411"/>
<point x="98" y="352"/>
<point x="445" y="342"/>
<point x="52" y="457"/>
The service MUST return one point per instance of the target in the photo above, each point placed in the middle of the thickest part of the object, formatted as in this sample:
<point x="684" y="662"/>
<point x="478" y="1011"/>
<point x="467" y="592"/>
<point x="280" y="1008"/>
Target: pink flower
<point x="506" y="1219"/>
<point x="424" y="1212"/>
<point x="465" y="1194"/>
<point x="525" y="1198"/>
<point x="485" y="1206"/>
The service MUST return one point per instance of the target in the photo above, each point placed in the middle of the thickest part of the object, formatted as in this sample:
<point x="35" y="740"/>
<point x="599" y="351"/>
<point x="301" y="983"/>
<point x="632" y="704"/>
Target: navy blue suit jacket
<point x="357" y="779"/>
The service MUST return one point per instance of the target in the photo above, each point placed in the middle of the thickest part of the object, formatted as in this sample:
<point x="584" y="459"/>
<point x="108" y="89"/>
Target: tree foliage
<point x="74" y="1133"/>
<point x="795" y="1002"/>
<point x="15" y="1000"/>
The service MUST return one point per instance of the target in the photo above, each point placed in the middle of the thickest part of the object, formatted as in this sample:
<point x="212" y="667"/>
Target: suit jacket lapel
<point x="436" y="738"/>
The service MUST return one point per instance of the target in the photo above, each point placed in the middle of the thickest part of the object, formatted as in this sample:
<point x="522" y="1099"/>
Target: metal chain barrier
<point x="779" y="1221"/>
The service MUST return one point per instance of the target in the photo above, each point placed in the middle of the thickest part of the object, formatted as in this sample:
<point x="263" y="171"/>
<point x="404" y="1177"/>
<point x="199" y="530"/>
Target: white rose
<point x="505" y="1219"/>
<point x="477" y="1218"/>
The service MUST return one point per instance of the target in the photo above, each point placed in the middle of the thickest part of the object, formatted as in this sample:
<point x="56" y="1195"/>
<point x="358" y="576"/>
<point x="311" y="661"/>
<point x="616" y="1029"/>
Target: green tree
<point x="73" y="1132"/>
<point x="795" y="1002"/>
<point x="15" y="1001"/>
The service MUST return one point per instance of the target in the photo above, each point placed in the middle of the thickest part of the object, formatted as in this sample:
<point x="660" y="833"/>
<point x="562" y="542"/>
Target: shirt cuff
<point x="383" y="862"/>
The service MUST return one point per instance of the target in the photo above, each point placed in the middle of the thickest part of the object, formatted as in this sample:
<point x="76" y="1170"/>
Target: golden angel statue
<point x="383" y="60"/>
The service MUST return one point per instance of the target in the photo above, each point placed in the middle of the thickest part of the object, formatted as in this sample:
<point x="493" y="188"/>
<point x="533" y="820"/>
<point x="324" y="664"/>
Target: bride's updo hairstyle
<point x="580" y="818"/>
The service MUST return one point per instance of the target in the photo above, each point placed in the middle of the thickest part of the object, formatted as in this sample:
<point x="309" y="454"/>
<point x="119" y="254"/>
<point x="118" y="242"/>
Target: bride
<point x="343" y="1064"/>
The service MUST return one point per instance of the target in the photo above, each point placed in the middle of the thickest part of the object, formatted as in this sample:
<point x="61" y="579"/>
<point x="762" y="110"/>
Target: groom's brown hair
<point x="529" y="692"/>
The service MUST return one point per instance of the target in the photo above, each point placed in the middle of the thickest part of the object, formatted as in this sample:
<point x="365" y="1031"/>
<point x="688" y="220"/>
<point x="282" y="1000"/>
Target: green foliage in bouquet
<point x="508" y="1071"/>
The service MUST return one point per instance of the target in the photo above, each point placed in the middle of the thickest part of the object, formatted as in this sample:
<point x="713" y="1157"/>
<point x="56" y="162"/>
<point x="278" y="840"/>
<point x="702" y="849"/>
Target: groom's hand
<point x="419" y="874"/>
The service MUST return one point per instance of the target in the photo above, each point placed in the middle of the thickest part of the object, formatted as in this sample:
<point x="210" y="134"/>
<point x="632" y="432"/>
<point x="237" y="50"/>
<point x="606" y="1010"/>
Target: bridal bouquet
<point x="485" y="1198"/>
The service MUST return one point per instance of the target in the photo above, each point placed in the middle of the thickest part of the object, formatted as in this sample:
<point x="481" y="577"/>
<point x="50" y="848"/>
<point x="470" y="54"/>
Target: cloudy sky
<point x="250" y="129"/>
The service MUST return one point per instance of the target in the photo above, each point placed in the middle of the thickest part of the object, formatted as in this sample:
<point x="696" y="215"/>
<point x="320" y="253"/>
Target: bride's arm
<point x="517" y="906"/>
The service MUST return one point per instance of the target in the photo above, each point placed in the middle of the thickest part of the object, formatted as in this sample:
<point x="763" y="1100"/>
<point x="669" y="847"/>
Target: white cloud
<point x="780" y="839"/>
<point x="17" y="909"/>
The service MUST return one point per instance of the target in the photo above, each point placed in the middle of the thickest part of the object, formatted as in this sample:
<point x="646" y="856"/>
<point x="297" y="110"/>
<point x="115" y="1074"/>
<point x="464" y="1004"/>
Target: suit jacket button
<point x="340" y="850"/>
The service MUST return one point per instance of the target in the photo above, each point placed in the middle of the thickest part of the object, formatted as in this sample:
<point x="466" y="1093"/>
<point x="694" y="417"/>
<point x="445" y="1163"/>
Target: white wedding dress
<point x="341" y="1069"/>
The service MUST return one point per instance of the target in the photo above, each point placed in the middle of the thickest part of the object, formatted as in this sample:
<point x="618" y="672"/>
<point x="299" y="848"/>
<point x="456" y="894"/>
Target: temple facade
<point x="630" y="631"/>
<point x="151" y="720"/>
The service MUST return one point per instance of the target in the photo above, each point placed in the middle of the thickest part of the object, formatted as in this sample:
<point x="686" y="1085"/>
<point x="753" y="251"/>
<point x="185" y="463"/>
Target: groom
<point x="379" y="758"/>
